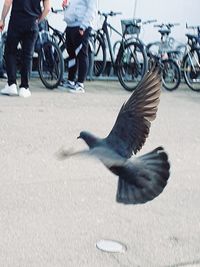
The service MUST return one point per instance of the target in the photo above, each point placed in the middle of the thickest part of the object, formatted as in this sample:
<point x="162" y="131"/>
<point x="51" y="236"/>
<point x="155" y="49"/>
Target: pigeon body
<point x="142" y="178"/>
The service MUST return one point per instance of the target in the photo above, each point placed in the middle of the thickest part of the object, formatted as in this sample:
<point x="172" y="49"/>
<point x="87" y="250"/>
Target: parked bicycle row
<point x="130" y="58"/>
<point x="176" y="60"/>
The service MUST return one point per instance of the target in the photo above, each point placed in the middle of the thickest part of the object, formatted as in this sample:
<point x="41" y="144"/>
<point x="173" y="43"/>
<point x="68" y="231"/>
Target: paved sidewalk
<point x="53" y="212"/>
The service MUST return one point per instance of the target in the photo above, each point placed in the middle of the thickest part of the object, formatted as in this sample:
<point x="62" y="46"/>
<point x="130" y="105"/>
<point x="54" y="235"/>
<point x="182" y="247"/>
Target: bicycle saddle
<point x="164" y="31"/>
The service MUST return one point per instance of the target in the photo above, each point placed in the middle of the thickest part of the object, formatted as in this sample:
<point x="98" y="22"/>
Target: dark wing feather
<point x="134" y="119"/>
<point x="145" y="179"/>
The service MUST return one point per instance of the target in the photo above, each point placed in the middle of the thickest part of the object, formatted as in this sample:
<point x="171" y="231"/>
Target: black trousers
<point x="77" y="48"/>
<point x="26" y="35"/>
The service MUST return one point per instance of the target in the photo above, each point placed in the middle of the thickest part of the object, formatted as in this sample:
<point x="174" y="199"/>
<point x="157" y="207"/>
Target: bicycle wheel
<point x="131" y="65"/>
<point x="171" y="74"/>
<point x="191" y="69"/>
<point x="50" y="64"/>
<point x="116" y="47"/>
<point x="99" y="55"/>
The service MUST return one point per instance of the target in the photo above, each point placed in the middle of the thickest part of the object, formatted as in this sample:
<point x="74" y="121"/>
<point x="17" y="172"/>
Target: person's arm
<point x="6" y="8"/>
<point x="46" y="10"/>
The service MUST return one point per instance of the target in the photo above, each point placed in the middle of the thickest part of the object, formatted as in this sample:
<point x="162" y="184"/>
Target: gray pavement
<point x="53" y="212"/>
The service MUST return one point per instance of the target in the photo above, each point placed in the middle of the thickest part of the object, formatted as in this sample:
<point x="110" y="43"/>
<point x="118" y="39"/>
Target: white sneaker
<point x="23" y="92"/>
<point x="9" y="90"/>
<point x="79" y="88"/>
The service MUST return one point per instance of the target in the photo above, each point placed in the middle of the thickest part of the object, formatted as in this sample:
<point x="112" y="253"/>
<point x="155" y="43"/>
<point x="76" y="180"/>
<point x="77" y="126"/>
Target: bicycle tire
<point x="131" y="65"/>
<point x="99" y="63"/>
<point x="116" y="47"/>
<point x="191" y="69"/>
<point x="50" y="65"/>
<point x="171" y="74"/>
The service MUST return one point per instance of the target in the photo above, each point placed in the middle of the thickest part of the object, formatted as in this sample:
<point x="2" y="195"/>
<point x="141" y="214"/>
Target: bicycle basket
<point x="131" y="26"/>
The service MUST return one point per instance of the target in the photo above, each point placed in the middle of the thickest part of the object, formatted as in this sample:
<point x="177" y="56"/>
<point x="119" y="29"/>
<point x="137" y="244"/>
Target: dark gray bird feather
<point x="134" y="119"/>
<point x="143" y="178"/>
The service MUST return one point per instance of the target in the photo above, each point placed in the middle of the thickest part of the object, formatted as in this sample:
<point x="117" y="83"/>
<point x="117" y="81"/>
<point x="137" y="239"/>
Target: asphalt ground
<point x="52" y="212"/>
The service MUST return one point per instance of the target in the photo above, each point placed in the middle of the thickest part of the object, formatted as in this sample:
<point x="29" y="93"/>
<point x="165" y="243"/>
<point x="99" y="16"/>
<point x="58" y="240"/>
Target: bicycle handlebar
<point x="192" y="27"/>
<point x="111" y="13"/>
<point x="149" y="21"/>
<point x="56" y="11"/>
<point x="168" y="25"/>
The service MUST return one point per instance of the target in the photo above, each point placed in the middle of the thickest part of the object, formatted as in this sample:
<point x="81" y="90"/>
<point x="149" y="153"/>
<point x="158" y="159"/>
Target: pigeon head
<point x="89" y="138"/>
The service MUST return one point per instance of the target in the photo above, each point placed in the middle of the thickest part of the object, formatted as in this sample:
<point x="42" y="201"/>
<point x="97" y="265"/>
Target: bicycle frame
<point x="105" y="35"/>
<point x="60" y="35"/>
<point x="105" y="28"/>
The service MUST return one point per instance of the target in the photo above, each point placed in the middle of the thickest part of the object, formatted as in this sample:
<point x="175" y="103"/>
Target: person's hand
<point x="65" y="3"/>
<point x="1" y="25"/>
<point x="81" y="31"/>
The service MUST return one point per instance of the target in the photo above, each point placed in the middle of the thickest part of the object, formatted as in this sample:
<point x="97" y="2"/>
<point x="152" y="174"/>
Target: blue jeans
<point x="26" y="37"/>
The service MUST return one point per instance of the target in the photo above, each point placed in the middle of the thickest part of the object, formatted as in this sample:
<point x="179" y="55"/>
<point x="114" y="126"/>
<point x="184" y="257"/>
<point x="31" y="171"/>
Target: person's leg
<point x="28" y="44"/>
<point x="71" y="41"/>
<point x="82" y="57"/>
<point x="13" y="38"/>
<point x="12" y="41"/>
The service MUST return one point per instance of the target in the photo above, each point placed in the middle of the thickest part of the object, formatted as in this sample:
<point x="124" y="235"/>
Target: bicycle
<point x="50" y="60"/>
<point x="171" y="74"/>
<point x="130" y="63"/>
<point x="191" y="60"/>
<point x="166" y="42"/>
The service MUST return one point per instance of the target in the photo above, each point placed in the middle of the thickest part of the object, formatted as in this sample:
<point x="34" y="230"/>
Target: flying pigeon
<point x="140" y="179"/>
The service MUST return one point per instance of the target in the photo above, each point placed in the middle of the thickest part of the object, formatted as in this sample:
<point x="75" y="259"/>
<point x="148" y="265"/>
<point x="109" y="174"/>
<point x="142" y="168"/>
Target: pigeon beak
<point x="78" y="137"/>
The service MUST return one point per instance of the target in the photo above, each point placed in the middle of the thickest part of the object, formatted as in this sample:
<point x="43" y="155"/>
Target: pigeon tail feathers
<point x="146" y="180"/>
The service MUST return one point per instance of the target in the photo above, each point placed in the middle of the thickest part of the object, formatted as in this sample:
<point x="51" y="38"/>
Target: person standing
<point x="79" y="16"/>
<point x="23" y="28"/>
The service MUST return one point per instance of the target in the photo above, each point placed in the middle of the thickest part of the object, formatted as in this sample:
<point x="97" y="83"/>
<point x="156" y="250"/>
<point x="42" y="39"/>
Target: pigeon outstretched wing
<point x="134" y="119"/>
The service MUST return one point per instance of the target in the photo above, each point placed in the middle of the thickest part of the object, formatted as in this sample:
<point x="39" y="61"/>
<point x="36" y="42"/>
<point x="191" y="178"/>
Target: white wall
<point x="181" y="11"/>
